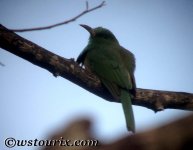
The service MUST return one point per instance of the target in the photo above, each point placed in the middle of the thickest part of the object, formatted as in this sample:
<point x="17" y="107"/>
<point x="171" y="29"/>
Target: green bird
<point x="114" y="66"/>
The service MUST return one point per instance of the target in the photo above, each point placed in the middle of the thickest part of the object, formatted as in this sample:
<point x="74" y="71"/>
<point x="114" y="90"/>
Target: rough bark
<point x="70" y="70"/>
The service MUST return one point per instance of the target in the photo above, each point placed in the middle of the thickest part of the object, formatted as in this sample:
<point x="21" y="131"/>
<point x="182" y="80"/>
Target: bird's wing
<point x="112" y="70"/>
<point x="129" y="61"/>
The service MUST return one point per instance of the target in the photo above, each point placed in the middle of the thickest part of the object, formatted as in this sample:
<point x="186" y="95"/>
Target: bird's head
<point x="100" y="33"/>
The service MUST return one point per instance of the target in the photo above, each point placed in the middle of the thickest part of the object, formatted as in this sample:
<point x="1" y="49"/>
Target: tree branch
<point x="177" y="135"/>
<point x="70" y="70"/>
<point x="174" y="136"/>
<point x="87" y="10"/>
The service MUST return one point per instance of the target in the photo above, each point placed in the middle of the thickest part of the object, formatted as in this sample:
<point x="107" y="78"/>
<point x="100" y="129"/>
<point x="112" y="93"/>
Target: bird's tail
<point x="128" y="111"/>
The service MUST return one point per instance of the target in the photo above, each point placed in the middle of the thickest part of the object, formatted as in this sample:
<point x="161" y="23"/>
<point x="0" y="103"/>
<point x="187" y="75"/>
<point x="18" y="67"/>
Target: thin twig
<point x="87" y="10"/>
<point x="1" y="64"/>
<point x="87" y="6"/>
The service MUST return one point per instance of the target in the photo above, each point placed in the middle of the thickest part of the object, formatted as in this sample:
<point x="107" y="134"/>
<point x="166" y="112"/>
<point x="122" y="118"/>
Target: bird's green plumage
<point x="127" y="108"/>
<point x="114" y="66"/>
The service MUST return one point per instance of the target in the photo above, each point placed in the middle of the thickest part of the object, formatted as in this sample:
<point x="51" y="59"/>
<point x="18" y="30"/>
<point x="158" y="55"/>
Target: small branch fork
<point x="87" y="10"/>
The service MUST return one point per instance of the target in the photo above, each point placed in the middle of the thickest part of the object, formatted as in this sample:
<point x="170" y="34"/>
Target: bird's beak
<point x="89" y="29"/>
